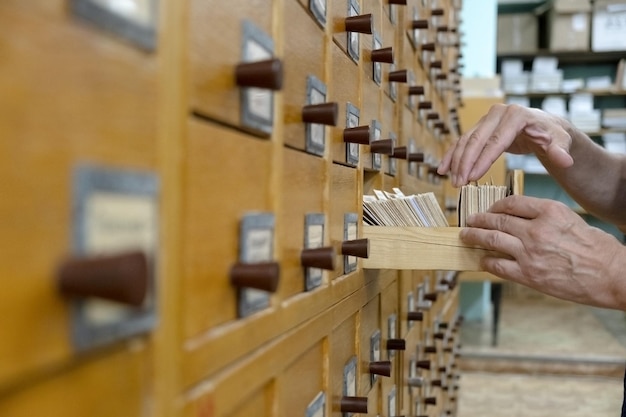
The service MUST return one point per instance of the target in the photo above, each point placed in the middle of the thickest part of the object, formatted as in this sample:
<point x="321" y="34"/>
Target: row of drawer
<point x="356" y="349"/>
<point x="318" y="205"/>
<point x="315" y="72"/>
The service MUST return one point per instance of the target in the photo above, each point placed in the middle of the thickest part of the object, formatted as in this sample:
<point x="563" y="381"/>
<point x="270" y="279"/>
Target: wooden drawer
<point x="304" y="71"/>
<point x="300" y="388"/>
<point x="123" y="375"/>
<point x="373" y="41"/>
<point x="302" y="196"/>
<point x="339" y="10"/>
<point x="344" y="89"/>
<point x="218" y="36"/>
<point x="370" y="344"/>
<point x="390" y="319"/>
<point x="344" y="366"/>
<point x="226" y="176"/>
<point x="343" y="202"/>
<point x="52" y="121"/>
<point x="370" y="115"/>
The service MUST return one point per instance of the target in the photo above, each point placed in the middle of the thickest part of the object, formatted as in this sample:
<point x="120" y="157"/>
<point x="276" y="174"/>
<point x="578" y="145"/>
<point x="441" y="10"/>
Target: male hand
<point x="550" y="248"/>
<point x="507" y="128"/>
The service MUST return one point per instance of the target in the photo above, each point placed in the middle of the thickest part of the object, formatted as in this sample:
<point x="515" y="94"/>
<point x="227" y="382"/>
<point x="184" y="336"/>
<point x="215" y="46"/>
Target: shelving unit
<point x="574" y="65"/>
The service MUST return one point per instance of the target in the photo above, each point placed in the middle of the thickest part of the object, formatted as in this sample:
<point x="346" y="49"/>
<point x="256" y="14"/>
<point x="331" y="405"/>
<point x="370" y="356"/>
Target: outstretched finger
<point x="508" y="121"/>
<point x="506" y="223"/>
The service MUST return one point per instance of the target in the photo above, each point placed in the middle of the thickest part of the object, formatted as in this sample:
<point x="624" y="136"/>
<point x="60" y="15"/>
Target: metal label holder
<point x="257" y="104"/>
<point x="315" y="133"/>
<point x="125" y="322"/>
<point x="313" y="277"/>
<point x="256" y="244"/>
<point x="352" y="120"/>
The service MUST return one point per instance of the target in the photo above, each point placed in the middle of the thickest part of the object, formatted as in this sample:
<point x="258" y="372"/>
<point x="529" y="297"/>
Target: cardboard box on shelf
<point x="571" y="6"/>
<point x="517" y="33"/>
<point x="569" y="31"/>
<point x="608" y="26"/>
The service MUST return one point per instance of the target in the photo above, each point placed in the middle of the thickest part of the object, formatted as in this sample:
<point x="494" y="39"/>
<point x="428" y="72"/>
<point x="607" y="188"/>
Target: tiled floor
<point x="553" y="338"/>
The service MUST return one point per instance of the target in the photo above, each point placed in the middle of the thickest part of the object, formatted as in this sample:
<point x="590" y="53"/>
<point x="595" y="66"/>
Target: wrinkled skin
<point x="549" y="248"/>
<point x="544" y="245"/>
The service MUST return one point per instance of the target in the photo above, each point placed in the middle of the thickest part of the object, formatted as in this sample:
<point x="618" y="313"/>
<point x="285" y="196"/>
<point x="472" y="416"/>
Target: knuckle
<point x="474" y="138"/>
<point x="493" y="240"/>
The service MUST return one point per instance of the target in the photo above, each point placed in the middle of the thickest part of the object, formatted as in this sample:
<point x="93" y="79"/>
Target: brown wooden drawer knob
<point x="416" y="157"/>
<point x="416" y="90"/>
<point x="439" y="335"/>
<point x="436" y="64"/>
<point x="442" y="76"/>
<point x="122" y="278"/>
<point x="399" y="152"/>
<point x="261" y="74"/>
<point x="436" y="12"/>
<point x="262" y="276"/>
<point x="437" y="383"/>
<point x="381" y="368"/>
<point x="442" y="369"/>
<point x="432" y="116"/>
<point x="353" y="405"/>
<point x="422" y="105"/>
<point x="419" y="24"/>
<point x="382" y="146"/>
<point x="396" y="344"/>
<point x="323" y="114"/>
<point x="431" y="296"/>
<point x="430" y="400"/>
<point x="430" y="349"/>
<point x="383" y="55"/>
<point x="398" y="2"/>
<point x="360" y="134"/>
<point x="428" y="46"/>
<point x="425" y="364"/>
<point x="360" y="24"/>
<point x="323" y="258"/>
<point x="400" y="76"/>
<point x="414" y="316"/>
<point x="415" y="382"/>
<point x="439" y="125"/>
<point x="442" y="28"/>
<point x="357" y="247"/>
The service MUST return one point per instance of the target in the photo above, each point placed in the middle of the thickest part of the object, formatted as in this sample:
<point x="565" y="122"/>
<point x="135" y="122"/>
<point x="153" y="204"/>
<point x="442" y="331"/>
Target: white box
<point x="608" y="29"/>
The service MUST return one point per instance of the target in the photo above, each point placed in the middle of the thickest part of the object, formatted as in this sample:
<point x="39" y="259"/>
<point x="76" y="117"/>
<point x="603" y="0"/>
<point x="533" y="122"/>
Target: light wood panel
<point x="304" y="56"/>
<point x="302" y="194"/>
<point x="421" y="248"/>
<point x="226" y="175"/>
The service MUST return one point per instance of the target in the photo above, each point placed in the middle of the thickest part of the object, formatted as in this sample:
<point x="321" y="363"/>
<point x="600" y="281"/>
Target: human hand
<point x="548" y="247"/>
<point x="507" y="128"/>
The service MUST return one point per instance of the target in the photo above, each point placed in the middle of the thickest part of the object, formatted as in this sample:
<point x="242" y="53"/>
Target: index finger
<point x="492" y="138"/>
